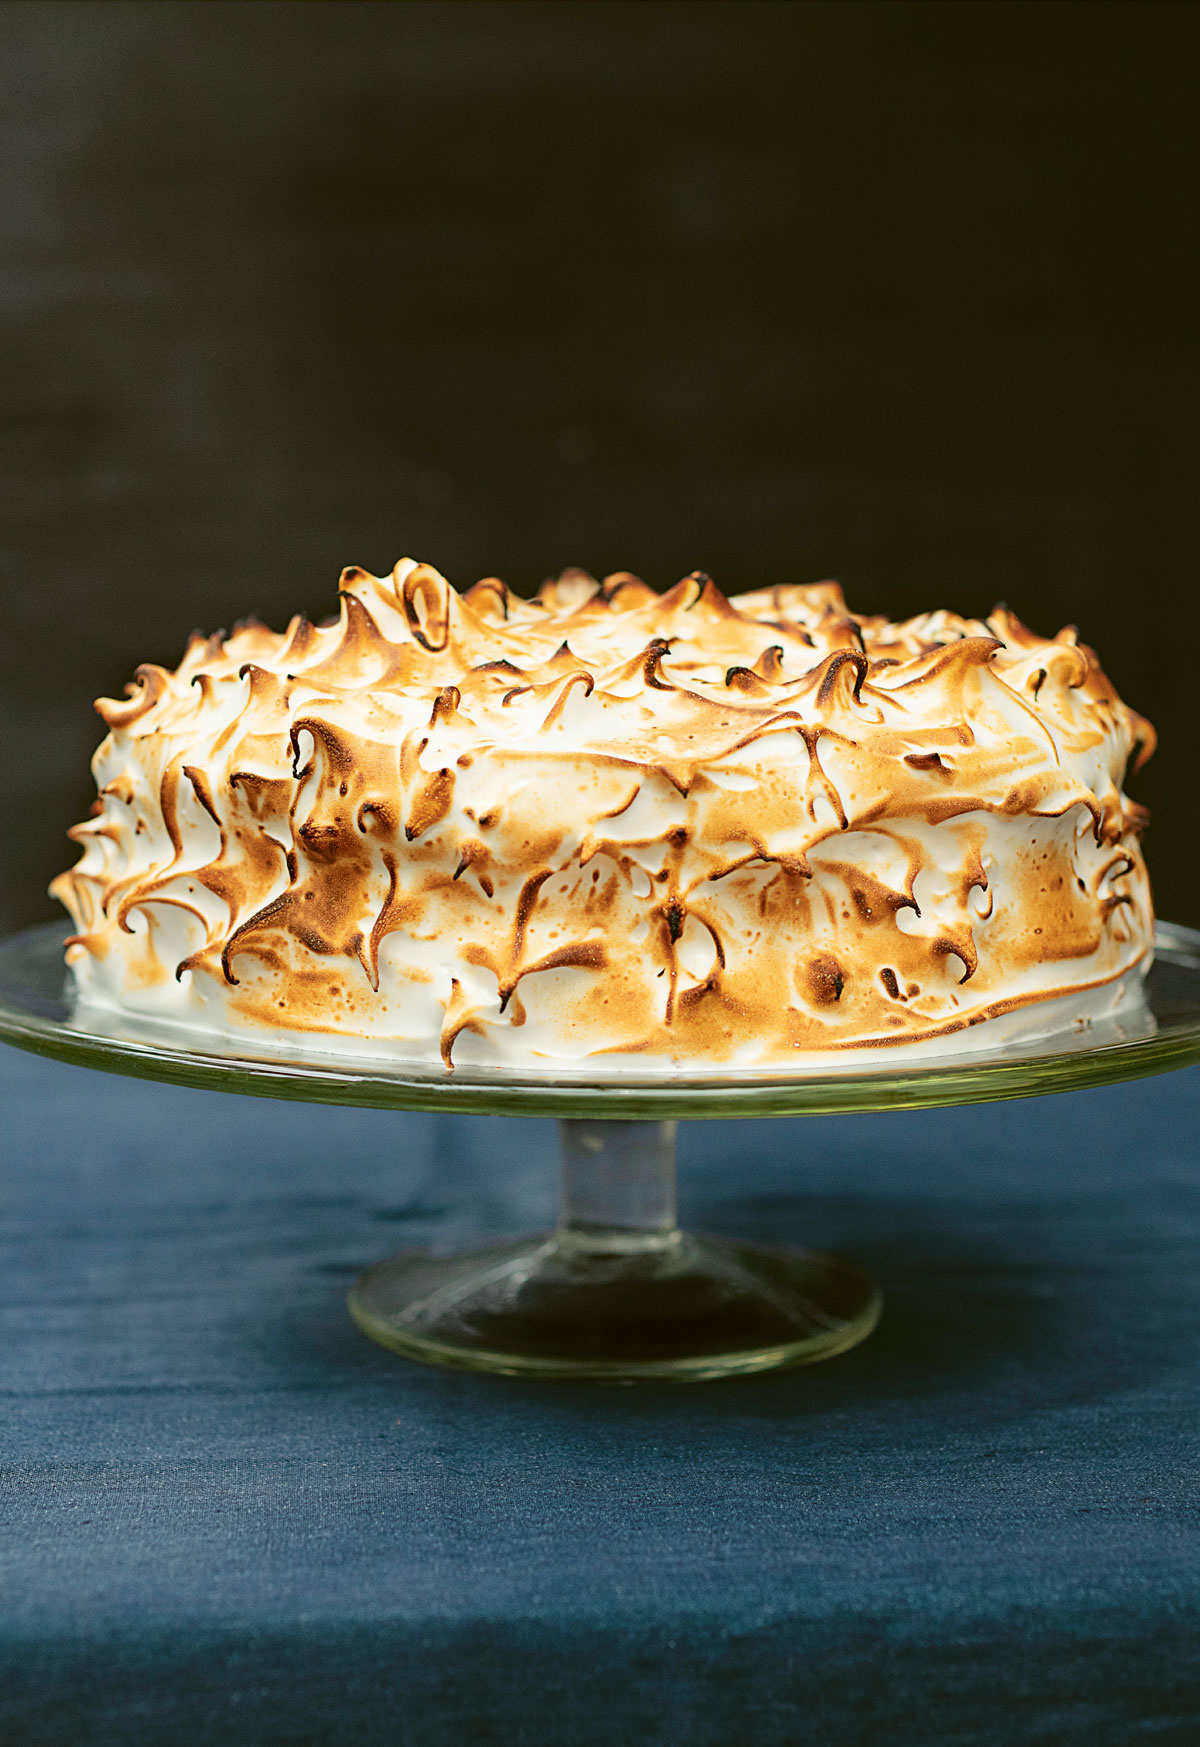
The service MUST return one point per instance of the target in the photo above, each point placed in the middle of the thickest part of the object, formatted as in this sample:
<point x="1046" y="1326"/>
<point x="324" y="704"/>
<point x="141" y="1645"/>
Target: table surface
<point x="225" y="1517"/>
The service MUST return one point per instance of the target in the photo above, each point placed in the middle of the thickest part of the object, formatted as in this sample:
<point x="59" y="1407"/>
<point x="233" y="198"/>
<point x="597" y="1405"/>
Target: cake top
<point x="938" y="713"/>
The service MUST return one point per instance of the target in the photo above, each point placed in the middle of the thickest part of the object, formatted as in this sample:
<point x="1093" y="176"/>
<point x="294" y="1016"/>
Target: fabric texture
<point x="227" y="1518"/>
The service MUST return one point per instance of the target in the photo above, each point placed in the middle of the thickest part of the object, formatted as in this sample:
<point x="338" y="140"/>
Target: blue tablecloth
<point x="227" y="1518"/>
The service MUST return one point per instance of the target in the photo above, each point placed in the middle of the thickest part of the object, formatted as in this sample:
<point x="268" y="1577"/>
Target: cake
<point x="608" y="829"/>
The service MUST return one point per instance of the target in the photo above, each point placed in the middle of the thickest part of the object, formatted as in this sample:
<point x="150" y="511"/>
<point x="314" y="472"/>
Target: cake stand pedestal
<point x="617" y="1292"/>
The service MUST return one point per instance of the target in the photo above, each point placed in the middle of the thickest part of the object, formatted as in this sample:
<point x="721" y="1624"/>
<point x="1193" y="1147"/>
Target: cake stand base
<point x="700" y="1308"/>
<point x="618" y="1293"/>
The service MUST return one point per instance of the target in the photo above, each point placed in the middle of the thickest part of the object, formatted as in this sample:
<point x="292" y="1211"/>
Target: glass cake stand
<point x="617" y="1292"/>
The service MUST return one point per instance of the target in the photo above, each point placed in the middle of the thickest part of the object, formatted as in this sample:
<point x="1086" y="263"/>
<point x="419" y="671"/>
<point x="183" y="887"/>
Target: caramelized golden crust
<point x="606" y="822"/>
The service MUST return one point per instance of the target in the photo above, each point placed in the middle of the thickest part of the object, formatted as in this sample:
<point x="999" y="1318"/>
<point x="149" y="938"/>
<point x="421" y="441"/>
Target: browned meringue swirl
<point x="608" y="822"/>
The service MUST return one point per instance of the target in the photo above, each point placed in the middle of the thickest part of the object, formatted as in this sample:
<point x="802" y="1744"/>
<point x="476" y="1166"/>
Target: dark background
<point x="900" y="293"/>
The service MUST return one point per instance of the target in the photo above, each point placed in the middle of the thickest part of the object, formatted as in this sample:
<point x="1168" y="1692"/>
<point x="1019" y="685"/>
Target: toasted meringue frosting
<point x="606" y="826"/>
